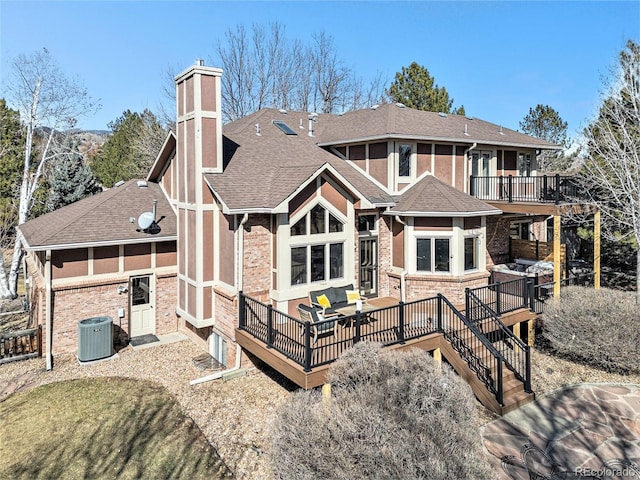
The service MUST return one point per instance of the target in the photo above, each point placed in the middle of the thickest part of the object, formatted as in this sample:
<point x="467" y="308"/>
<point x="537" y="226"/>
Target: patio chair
<point x="318" y="325"/>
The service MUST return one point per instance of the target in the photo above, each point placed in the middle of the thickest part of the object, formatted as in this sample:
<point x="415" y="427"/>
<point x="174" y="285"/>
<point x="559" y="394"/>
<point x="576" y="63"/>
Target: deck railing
<point x="293" y="337"/>
<point x="502" y="297"/>
<point x="538" y="189"/>
<point x="389" y="326"/>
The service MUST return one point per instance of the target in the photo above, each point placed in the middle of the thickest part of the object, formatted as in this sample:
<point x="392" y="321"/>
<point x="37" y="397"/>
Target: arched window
<point x="317" y="246"/>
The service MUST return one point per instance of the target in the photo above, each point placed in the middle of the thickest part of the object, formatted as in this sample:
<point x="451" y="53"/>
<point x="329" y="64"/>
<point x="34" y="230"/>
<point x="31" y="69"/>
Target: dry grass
<point x="102" y="428"/>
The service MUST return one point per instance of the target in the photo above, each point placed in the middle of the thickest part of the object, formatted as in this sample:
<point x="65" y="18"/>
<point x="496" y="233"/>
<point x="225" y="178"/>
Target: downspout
<point x="466" y="156"/>
<point x="403" y="284"/>
<point x="47" y="309"/>
<point x="239" y="253"/>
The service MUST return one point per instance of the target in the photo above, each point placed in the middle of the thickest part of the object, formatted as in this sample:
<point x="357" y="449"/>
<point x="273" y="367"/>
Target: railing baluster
<point x="269" y="326"/>
<point x="242" y="321"/>
<point x="307" y="347"/>
<point x="401" y="312"/>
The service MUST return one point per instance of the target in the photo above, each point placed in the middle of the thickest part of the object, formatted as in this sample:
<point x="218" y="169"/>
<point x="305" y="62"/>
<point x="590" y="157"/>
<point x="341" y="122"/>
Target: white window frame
<point x="477" y="244"/>
<point x="412" y="161"/>
<point x="531" y="171"/>
<point x="433" y="237"/>
<point x="327" y="239"/>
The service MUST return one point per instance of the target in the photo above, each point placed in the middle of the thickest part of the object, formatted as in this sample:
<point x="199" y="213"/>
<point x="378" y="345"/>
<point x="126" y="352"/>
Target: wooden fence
<point x="20" y="345"/>
<point x="536" y="250"/>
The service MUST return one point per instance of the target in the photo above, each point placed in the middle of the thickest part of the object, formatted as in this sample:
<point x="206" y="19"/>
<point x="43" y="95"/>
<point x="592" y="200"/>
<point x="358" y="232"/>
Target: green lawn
<point x="102" y="428"/>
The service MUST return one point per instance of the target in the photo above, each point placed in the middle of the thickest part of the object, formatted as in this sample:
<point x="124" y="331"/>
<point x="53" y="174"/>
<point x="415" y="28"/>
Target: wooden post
<point x="557" y="225"/>
<point x="531" y="333"/>
<point x="596" y="249"/>
<point x="437" y="356"/>
<point x="516" y="332"/>
<point x="326" y="394"/>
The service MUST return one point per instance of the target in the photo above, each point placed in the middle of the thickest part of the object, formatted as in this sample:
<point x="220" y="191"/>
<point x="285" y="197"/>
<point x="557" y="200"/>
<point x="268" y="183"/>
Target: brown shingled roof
<point x="102" y="219"/>
<point x="264" y="170"/>
<point x="392" y="121"/>
<point x="432" y="197"/>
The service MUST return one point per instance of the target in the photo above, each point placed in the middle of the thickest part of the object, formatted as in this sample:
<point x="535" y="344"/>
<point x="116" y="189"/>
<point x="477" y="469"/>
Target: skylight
<point x="284" y="127"/>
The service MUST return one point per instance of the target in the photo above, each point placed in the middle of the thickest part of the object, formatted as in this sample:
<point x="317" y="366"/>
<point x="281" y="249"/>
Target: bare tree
<point x="364" y="95"/>
<point x="237" y="82"/>
<point x="330" y="76"/>
<point x="167" y="107"/>
<point x="264" y="68"/>
<point x="611" y="173"/>
<point x="49" y="104"/>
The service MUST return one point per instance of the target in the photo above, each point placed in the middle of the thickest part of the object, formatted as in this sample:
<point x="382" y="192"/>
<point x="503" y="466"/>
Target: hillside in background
<point x="90" y="141"/>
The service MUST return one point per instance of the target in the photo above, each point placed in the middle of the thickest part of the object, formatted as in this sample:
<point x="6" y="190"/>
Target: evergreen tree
<point x="11" y="150"/>
<point x="544" y="122"/>
<point x="131" y="149"/>
<point x="70" y="180"/>
<point x="11" y="153"/>
<point x="416" y="88"/>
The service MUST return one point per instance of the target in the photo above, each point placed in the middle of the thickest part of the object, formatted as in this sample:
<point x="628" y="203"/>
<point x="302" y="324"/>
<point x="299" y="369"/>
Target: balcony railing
<point x="538" y="189"/>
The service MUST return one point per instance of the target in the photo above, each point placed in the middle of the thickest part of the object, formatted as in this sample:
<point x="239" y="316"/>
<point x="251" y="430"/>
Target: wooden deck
<point x="420" y="332"/>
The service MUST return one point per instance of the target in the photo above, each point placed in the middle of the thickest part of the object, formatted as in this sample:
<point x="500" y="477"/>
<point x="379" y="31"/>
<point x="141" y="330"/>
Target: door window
<point x="140" y="291"/>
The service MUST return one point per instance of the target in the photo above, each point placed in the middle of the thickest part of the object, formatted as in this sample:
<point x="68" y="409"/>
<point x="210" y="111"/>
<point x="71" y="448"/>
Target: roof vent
<point x="501" y="132"/>
<point x="375" y="107"/>
<point x="400" y="105"/>
<point x="312" y="118"/>
<point x="442" y="114"/>
<point x="119" y="183"/>
<point x="469" y="118"/>
<point x="142" y="184"/>
<point x="282" y="111"/>
<point x="465" y="130"/>
<point x="257" y="125"/>
<point x="200" y="62"/>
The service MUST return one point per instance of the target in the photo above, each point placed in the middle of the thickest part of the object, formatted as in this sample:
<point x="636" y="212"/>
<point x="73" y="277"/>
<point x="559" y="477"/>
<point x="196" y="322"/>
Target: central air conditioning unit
<point x="95" y="338"/>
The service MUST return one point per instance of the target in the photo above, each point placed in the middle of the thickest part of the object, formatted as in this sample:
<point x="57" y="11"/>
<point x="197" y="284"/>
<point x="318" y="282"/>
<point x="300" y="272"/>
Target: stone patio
<point x="582" y="431"/>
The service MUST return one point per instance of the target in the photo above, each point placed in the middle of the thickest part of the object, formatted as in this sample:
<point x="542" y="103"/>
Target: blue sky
<point x="498" y="59"/>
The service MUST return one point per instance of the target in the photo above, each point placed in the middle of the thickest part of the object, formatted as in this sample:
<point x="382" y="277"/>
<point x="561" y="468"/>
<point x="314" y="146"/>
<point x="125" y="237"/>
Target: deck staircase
<point x="483" y="351"/>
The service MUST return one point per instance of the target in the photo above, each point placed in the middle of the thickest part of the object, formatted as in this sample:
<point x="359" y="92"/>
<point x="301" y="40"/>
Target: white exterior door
<point x="142" y="317"/>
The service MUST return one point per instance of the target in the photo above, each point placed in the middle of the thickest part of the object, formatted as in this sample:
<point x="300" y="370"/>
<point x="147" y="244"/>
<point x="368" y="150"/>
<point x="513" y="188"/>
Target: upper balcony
<point x="554" y="189"/>
<point x="545" y="191"/>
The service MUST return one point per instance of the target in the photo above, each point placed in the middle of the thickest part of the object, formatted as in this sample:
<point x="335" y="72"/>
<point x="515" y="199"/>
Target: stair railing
<point x="473" y="347"/>
<point x="515" y="353"/>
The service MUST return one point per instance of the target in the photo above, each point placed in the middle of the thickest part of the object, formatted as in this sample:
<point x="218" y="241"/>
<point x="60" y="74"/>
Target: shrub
<point x="600" y="327"/>
<point x="391" y="415"/>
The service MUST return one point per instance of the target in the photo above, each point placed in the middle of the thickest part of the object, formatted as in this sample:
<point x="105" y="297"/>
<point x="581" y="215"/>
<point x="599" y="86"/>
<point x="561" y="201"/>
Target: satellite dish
<point x="145" y="220"/>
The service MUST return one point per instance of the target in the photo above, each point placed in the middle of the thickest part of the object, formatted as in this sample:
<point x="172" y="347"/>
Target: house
<point x="91" y="258"/>
<point x="403" y="204"/>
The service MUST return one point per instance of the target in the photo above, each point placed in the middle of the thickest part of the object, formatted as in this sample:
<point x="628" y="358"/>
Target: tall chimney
<point x="198" y="151"/>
